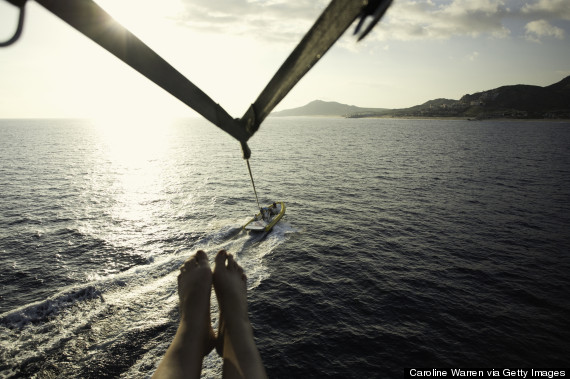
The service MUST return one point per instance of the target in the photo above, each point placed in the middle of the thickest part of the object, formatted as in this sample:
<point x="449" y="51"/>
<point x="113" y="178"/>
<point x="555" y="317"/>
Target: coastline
<point x="441" y="118"/>
<point x="457" y="118"/>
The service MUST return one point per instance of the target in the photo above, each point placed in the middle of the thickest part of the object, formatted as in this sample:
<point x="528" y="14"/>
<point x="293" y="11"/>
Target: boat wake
<point x="80" y="329"/>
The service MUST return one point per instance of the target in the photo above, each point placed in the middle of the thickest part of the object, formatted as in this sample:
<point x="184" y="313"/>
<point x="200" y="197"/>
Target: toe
<point x="232" y="264"/>
<point x="185" y="265"/>
<point x="201" y="257"/>
<point x="189" y="263"/>
<point x="221" y="258"/>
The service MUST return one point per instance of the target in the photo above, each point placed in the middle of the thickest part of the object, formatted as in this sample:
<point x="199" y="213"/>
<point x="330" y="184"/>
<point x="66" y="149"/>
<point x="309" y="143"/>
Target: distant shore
<point x="471" y="118"/>
<point x="450" y="118"/>
<point x="511" y="102"/>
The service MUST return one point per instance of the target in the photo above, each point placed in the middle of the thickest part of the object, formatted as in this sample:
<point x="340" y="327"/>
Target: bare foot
<point x="235" y="336"/>
<point x="194" y="289"/>
<point x="195" y="337"/>
<point x="230" y="284"/>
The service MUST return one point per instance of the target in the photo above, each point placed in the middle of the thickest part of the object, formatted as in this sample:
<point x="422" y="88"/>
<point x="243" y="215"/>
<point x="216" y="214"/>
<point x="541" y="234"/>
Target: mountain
<point x="325" y="108"/>
<point x="516" y="101"/>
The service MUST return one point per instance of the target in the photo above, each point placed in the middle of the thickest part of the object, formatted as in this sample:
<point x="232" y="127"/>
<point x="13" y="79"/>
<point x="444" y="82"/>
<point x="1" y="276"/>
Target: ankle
<point x="238" y="326"/>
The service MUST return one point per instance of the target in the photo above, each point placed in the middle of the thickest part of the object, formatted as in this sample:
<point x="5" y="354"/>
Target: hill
<point x="516" y="101"/>
<point x="325" y="108"/>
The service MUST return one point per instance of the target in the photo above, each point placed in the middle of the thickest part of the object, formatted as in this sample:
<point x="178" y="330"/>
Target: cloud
<point x="278" y="20"/>
<point x="536" y="30"/>
<point x="285" y="20"/>
<point x="406" y="20"/>
<point x="474" y="55"/>
<point x="548" y="9"/>
<point x="542" y="13"/>
<point x="417" y="20"/>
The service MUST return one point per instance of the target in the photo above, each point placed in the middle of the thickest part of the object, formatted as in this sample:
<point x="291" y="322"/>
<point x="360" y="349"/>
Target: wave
<point x="102" y="313"/>
<point x="46" y="309"/>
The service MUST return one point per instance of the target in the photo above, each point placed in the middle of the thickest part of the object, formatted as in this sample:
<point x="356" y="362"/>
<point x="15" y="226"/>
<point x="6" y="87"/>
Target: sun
<point x="133" y="140"/>
<point x="143" y="17"/>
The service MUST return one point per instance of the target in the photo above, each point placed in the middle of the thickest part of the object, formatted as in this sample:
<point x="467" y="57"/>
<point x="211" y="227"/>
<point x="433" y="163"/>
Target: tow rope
<point x="246" y="155"/>
<point x="253" y="184"/>
<point x="91" y="20"/>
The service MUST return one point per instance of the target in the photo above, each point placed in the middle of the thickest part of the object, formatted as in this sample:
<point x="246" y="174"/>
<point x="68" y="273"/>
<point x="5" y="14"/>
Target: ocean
<point x="406" y="243"/>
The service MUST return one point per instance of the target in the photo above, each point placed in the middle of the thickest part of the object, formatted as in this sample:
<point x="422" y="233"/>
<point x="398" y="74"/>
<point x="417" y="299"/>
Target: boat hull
<point x="257" y="224"/>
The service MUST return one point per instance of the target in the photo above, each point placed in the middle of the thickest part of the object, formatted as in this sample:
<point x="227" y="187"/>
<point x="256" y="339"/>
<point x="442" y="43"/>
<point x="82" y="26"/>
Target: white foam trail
<point x="111" y="306"/>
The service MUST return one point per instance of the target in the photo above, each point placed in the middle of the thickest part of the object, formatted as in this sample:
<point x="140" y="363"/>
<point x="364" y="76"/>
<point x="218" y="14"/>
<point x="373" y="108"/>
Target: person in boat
<point x="195" y="337"/>
<point x="274" y="210"/>
<point x="265" y="213"/>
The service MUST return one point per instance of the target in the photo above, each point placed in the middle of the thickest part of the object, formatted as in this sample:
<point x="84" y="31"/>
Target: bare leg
<point x="194" y="338"/>
<point x="235" y="337"/>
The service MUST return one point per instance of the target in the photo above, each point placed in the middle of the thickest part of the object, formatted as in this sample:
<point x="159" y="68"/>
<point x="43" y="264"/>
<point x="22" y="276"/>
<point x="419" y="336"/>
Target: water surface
<point x="405" y="243"/>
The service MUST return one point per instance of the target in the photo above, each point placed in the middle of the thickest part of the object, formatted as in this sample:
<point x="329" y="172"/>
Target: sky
<point x="420" y="50"/>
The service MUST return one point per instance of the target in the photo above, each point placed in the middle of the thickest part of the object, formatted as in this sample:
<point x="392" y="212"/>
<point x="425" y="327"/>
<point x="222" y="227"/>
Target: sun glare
<point x="133" y="153"/>
<point x="132" y="141"/>
<point x="233" y="83"/>
<point x="138" y="15"/>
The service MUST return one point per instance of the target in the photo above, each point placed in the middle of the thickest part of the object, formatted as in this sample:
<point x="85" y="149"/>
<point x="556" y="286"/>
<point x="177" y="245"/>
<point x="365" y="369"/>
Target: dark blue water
<point x="405" y="243"/>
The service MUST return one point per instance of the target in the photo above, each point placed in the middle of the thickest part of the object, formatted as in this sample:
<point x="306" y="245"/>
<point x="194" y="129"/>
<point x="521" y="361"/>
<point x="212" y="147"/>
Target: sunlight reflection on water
<point x="410" y="214"/>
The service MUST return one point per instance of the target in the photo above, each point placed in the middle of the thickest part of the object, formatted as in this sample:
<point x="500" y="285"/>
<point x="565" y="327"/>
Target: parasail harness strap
<point x="328" y="28"/>
<point x="20" y="4"/>
<point x="91" y="20"/>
